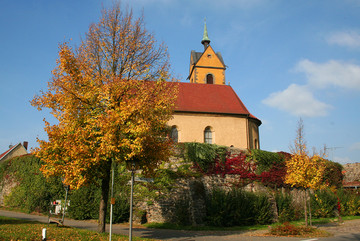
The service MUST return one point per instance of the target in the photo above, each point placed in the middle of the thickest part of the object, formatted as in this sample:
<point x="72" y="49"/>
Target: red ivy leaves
<point x="235" y="165"/>
<point x="245" y="169"/>
<point x="275" y="176"/>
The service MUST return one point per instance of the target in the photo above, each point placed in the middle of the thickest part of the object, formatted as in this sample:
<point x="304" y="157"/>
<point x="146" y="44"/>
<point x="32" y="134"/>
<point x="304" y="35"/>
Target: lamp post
<point x="66" y="194"/>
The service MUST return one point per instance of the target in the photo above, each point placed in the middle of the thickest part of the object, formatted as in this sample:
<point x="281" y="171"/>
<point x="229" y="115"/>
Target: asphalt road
<point x="350" y="231"/>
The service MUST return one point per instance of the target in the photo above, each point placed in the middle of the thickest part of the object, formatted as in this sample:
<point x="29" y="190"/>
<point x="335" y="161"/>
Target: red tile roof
<point x="351" y="184"/>
<point x="8" y="151"/>
<point x="209" y="98"/>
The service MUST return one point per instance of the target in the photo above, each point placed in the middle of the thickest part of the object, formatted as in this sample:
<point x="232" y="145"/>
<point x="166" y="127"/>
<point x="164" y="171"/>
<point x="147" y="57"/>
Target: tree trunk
<point x="105" y="183"/>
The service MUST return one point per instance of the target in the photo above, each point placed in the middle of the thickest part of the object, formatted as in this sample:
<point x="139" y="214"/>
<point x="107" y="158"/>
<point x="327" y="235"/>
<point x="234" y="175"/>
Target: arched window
<point x="256" y="144"/>
<point x="209" y="79"/>
<point x="208" y="135"/>
<point x="174" y="134"/>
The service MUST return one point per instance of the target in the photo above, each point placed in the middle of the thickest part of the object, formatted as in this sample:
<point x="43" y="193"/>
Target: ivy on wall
<point x="202" y="155"/>
<point x="266" y="167"/>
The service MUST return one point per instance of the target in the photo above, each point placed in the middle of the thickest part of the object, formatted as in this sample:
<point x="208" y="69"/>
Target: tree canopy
<point x="112" y="100"/>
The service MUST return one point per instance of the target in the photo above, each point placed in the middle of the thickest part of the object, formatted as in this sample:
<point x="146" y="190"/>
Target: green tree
<point x="112" y="101"/>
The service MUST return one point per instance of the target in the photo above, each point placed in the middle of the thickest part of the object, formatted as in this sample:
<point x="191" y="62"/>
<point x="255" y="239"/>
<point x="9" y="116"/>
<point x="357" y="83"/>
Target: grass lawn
<point x="17" y="229"/>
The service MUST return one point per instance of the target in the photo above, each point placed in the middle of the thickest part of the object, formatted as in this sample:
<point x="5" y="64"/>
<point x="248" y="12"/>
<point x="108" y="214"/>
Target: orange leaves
<point x="111" y="99"/>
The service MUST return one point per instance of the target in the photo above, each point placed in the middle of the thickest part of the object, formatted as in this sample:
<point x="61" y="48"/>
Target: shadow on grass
<point x="6" y="220"/>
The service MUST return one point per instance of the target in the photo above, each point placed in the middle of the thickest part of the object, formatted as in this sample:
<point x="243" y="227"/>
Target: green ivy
<point x="34" y="192"/>
<point x="264" y="159"/>
<point x="203" y="155"/>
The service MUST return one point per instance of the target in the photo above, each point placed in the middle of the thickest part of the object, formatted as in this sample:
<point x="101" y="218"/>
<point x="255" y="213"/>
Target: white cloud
<point x="355" y="146"/>
<point x="332" y="73"/>
<point x="300" y="101"/>
<point x="297" y="100"/>
<point x="347" y="39"/>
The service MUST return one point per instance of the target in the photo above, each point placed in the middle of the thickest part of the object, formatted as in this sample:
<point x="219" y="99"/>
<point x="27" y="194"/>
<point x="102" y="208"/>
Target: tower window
<point x="209" y="79"/>
<point x="208" y="135"/>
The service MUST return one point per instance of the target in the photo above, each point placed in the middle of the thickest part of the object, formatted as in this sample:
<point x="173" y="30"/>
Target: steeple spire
<point x="205" y="41"/>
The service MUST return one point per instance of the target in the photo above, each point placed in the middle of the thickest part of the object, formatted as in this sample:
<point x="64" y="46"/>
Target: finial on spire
<point x="205" y="41"/>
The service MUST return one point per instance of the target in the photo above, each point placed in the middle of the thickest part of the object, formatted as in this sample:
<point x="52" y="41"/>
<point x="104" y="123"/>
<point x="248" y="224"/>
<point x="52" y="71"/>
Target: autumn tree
<point x="299" y="145"/>
<point x="112" y="100"/>
<point x="302" y="170"/>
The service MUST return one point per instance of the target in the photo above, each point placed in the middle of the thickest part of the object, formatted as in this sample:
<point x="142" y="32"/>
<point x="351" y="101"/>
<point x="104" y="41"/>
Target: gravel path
<point x="346" y="227"/>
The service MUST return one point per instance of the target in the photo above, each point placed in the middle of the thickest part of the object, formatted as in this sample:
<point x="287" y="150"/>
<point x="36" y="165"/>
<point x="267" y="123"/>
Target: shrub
<point x="229" y="208"/>
<point x="349" y="202"/>
<point x="287" y="229"/>
<point x="323" y="204"/>
<point x="237" y="208"/>
<point x="263" y="210"/>
<point x="84" y="203"/>
<point x="285" y="207"/>
<point x="121" y="209"/>
<point x="333" y="175"/>
<point x="85" y="200"/>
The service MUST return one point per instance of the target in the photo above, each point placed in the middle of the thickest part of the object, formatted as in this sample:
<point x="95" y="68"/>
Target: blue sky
<point x="286" y="60"/>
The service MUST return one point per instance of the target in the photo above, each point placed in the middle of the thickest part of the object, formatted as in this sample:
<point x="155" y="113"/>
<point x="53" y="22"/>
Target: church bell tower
<point x="206" y="67"/>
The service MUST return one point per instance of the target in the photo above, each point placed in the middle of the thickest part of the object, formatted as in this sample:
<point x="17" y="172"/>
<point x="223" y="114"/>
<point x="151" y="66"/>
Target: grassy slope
<point x="16" y="229"/>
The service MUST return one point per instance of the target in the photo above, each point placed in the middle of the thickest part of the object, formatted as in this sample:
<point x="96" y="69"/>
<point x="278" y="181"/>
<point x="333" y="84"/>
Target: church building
<point x="209" y="111"/>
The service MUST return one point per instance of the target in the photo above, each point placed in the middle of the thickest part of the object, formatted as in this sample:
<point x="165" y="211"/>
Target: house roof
<point x="351" y="184"/>
<point x="209" y="98"/>
<point x="8" y="151"/>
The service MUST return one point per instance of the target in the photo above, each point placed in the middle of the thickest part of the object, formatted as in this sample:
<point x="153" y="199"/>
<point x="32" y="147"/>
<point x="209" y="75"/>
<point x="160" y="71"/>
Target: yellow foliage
<point x="111" y="99"/>
<point x="306" y="172"/>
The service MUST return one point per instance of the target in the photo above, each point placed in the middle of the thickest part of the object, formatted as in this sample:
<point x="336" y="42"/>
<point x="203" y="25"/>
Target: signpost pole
<point x="66" y="194"/>
<point x="112" y="200"/>
<point x="131" y="200"/>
